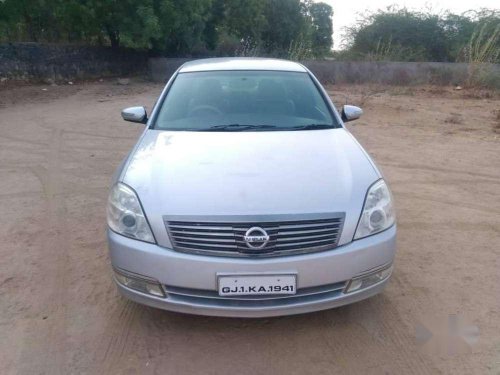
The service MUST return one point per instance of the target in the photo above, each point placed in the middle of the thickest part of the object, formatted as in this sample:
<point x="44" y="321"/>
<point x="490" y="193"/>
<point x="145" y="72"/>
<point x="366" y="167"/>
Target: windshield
<point x="244" y="101"/>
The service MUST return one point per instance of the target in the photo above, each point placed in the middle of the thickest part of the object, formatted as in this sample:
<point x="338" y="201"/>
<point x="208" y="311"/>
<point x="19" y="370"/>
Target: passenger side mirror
<point x="135" y="114"/>
<point x="351" y="112"/>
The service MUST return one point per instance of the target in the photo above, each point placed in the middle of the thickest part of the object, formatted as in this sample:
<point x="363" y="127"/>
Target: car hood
<point x="249" y="173"/>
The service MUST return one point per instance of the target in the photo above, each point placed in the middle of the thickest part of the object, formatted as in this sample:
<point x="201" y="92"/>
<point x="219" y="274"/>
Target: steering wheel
<point x="204" y="109"/>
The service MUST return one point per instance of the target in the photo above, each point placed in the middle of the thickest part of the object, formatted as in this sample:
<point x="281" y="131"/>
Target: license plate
<point x="246" y="285"/>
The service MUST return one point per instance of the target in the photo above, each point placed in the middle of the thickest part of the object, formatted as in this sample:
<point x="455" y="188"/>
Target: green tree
<point x="285" y="23"/>
<point x="213" y="24"/>
<point x="29" y="19"/>
<point x="403" y="34"/>
<point x="245" y="19"/>
<point x="188" y="25"/>
<point x="114" y="17"/>
<point x="174" y="27"/>
<point x="322" y="34"/>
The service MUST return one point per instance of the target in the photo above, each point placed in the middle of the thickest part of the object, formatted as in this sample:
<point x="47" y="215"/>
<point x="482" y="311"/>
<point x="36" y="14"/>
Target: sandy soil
<point x="60" y="312"/>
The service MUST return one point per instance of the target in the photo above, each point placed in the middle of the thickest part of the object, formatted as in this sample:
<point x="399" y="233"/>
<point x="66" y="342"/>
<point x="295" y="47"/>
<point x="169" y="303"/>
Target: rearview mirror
<point x="135" y="114"/>
<point x="351" y="112"/>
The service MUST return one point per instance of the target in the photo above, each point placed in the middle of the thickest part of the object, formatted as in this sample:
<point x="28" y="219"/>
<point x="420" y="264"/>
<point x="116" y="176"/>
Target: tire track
<point x="459" y="226"/>
<point x="374" y="332"/>
<point x="112" y="345"/>
<point x="53" y="254"/>
<point x="409" y="195"/>
<point x="438" y="169"/>
<point x="404" y="285"/>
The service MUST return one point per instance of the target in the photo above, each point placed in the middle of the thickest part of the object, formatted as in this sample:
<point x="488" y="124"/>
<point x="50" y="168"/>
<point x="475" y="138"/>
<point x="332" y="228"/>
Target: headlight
<point x="125" y="214"/>
<point x="378" y="213"/>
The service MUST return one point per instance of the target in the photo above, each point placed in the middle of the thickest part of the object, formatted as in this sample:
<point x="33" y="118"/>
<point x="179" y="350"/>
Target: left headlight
<point x="125" y="214"/>
<point x="378" y="212"/>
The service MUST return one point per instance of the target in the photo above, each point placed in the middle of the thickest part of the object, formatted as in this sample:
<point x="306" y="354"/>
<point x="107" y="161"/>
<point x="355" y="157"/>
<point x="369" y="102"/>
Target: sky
<point x="346" y="11"/>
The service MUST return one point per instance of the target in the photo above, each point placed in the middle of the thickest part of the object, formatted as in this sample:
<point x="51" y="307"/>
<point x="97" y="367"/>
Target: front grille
<point x="211" y="297"/>
<point x="223" y="237"/>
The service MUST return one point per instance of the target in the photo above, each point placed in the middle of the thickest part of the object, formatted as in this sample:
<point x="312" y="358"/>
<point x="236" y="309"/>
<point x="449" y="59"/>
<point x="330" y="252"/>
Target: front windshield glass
<point x="244" y="101"/>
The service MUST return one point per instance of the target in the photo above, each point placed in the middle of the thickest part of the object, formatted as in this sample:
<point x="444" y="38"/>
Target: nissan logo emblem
<point x="256" y="238"/>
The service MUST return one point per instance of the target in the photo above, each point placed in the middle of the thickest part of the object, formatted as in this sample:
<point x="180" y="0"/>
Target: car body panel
<point x="249" y="173"/>
<point x="200" y="272"/>
<point x="248" y="63"/>
<point x="263" y="311"/>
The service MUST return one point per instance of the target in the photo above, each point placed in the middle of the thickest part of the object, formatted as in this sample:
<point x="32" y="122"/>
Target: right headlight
<point x="125" y="214"/>
<point x="378" y="213"/>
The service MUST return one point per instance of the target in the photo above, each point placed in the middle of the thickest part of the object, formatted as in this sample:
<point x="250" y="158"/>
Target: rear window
<point x="252" y="100"/>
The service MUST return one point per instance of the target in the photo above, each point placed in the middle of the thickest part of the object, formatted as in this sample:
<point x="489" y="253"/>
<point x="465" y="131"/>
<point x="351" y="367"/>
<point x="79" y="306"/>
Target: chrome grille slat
<point x="307" y="225"/>
<point x="284" y="246"/>
<point x="243" y="230"/>
<point x="207" y="251"/>
<point x="201" y="233"/>
<point x="292" y="232"/>
<point x="212" y="236"/>
<point x="200" y="227"/>
<point x="196" y="244"/>
<point x="213" y="294"/>
<point x="201" y="239"/>
<point x="319" y="236"/>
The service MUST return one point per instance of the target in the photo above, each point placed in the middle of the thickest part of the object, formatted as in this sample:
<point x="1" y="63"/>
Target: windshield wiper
<point x="237" y="127"/>
<point x="243" y="127"/>
<point x="310" y="127"/>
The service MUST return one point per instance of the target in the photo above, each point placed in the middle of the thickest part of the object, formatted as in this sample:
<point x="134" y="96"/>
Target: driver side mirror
<point x="135" y="114"/>
<point x="351" y="112"/>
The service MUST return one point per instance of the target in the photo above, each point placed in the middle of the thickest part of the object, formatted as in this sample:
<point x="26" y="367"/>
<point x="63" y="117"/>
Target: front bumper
<point x="187" y="272"/>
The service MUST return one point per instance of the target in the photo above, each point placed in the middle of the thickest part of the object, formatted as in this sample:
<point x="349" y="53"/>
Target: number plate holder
<point x="258" y="285"/>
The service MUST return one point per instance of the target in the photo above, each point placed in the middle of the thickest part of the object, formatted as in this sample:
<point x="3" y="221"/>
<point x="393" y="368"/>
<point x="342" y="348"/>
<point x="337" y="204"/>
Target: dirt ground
<point x="60" y="312"/>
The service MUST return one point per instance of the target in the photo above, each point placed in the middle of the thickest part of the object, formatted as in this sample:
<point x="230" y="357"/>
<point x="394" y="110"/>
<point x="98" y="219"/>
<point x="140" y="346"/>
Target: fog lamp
<point x="142" y="285"/>
<point x="367" y="280"/>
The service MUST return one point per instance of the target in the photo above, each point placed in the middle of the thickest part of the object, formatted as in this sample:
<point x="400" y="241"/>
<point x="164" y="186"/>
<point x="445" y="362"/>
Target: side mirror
<point x="351" y="112"/>
<point x="135" y="114"/>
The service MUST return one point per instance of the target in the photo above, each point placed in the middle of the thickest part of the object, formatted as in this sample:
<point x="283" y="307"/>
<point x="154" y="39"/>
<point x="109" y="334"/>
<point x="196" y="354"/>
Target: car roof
<point x="241" y="63"/>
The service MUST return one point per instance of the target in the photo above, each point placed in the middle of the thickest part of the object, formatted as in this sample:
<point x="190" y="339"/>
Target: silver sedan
<point x="246" y="196"/>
